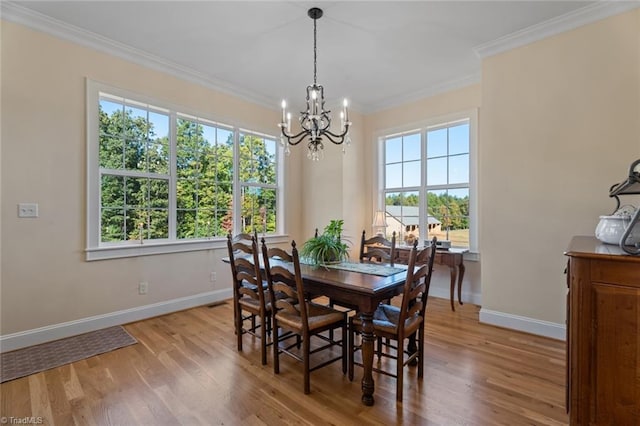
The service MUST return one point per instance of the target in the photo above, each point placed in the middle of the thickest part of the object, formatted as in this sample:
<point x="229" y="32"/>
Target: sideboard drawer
<point x="615" y="272"/>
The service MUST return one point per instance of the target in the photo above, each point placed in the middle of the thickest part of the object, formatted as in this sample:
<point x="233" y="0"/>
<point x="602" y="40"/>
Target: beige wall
<point x="335" y="187"/>
<point x="45" y="279"/>
<point x="560" y="124"/>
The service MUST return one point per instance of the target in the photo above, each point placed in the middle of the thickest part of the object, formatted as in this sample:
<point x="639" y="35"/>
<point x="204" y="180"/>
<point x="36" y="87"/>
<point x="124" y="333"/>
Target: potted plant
<point x="327" y="247"/>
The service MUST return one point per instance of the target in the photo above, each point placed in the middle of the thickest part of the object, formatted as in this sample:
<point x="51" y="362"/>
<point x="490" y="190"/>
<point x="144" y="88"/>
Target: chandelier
<point x="315" y="122"/>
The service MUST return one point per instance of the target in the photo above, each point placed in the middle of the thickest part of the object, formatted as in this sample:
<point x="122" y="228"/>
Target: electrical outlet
<point x="143" y="287"/>
<point x="27" y="210"/>
<point x="212" y="277"/>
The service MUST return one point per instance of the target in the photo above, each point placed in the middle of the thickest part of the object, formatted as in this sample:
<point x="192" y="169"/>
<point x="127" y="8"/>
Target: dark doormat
<point x="26" y="361"/>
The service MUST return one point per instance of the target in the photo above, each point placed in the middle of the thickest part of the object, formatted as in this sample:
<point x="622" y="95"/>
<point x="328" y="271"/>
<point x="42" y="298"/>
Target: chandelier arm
<point x="294" y="139"/>
<point x="339" y="139"/>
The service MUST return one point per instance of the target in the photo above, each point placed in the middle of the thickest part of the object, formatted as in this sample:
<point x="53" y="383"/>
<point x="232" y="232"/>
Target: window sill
<point x="135" y="249"/>
<point x="471" y="256"/>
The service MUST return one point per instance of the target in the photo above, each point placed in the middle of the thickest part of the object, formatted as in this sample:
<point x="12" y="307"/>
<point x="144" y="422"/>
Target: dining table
<point x="357" y="284"/>
<point x="364" y="285"/>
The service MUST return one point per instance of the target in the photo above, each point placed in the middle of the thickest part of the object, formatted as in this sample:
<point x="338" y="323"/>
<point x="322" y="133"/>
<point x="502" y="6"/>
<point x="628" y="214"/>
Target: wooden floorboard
<point x="186" y="370"/>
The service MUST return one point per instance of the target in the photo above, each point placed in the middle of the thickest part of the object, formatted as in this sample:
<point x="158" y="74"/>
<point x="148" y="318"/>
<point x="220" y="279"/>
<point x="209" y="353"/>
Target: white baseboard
<point x="445" y="293"/>
<point x="36" y="336"/>
<point x="528" y="325"/>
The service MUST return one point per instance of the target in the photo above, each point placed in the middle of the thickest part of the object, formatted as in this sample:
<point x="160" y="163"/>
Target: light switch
<point x="27" y="210"/>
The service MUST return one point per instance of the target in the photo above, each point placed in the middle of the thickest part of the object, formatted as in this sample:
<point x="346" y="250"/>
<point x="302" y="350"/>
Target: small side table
<point x="453" y="258"/>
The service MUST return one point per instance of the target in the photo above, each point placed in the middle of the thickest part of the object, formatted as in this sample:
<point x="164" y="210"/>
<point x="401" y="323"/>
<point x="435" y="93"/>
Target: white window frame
<point x="238" y="184"/>
<point x="97" y="250"/>
<point x="422" y="127"/>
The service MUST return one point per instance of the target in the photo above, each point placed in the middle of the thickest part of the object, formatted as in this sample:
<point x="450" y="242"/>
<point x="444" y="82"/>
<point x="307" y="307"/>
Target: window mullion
<point x="422" y="193"/>
<point x="237" y="195"/>
<point x="134" y="173"/>
<point x="173" y="181"/>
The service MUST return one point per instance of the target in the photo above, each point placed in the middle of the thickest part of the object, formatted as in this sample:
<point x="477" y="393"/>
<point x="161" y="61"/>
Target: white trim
<point x="444" y="292"/>
<point x="474" y="212"/>
<point x="528" y="325"/>
<point x="92" y="97"/>
<point x="151" y="248"/>
<point x="36" y="336"/>
<point x="471" y="256"/>
<point x="569" y="21"/>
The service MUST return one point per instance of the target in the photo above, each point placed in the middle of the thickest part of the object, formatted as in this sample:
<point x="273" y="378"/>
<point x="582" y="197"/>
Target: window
<point x="427" y="180"/>
<point x="134" y="171"/>
<point x="204" y="178"/>
<point x="161" y="180"/>
<point x="258" y="183"/>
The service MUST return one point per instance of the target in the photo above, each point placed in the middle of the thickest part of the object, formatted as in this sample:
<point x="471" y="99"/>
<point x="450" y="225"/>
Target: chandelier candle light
<point x="315" y="122"/>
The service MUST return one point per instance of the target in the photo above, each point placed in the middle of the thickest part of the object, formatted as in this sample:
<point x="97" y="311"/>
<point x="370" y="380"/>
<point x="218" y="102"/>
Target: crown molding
<point x="13" y="12"/>
<point x="569" y="21"/>
<point x="428" y="92"/>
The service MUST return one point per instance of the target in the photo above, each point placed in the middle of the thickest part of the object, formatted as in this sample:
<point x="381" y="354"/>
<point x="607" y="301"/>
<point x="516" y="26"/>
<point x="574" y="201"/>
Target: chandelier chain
<point x="315" y="54"/>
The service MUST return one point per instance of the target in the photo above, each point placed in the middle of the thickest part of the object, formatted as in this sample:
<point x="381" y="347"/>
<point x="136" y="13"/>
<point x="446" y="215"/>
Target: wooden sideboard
<point x="453" y="258"/>
<point x="603" y="334"/>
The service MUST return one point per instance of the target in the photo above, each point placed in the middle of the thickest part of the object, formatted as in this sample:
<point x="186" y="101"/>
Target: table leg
<point x="368" y="338"/>
<point x="453" y="285"/>
<point x="460" y="276"/>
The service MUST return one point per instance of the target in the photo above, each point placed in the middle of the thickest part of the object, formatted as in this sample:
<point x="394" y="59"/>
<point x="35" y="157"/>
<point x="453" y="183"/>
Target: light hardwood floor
<point x="186" y="370"/>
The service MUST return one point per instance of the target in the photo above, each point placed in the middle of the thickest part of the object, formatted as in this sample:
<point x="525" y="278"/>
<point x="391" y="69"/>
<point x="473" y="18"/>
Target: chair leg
<point x="276" y="349"/>
<point x="268" y="323"/>
<point x="421" y="352"/>
<point x="342" y="347"/>
<point x="379" y="351"/>
<point x="331" y="331"/>
<point x="263" y="338"/>
<point x="306" y="348"/>
<point x="412" y="348"/>
<point x="399" y="370"/>
<point x="239" y="327"/>
<point x="235" y="313"/>
<point x="352" y="336"/>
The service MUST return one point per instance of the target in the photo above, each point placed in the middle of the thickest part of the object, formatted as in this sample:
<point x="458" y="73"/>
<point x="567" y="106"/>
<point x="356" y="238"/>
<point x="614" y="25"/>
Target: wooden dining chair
<point x="378" y="249"/>
<point x="244" y="238"/>
<point x="295" y="314"/>
<point x="403" y="322"/>
<point x="249" y="291"/>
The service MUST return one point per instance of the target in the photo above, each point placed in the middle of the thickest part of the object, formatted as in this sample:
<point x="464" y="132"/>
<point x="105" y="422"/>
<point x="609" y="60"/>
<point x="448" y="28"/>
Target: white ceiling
<point x="376" y="53"/>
